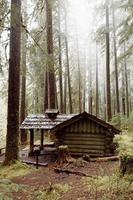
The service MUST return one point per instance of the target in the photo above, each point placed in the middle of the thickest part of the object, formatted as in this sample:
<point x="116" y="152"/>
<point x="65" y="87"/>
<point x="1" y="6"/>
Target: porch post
<point x="42" y="138"/>
<point x="31" y="142"/>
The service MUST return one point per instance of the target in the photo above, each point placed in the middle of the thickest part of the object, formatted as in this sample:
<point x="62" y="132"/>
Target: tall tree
<point x="79" y="77"/>
<point x="90" y="91"/>
<point x="123" y="92"/>
<point x="23" y="135"/>
<point x="115" y="60"/>
<point x="14" y="84"/>
<point x="60" y="59"/>
<point x="97" y="83"/>
<point x="50" y="72"/>
<point x="68" y="68"/>
<point x="126" y="83"/>
<point x="108" y="89"/>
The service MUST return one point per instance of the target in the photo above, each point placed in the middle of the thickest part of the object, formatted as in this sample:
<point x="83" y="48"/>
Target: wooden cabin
<point x="82" y="133"/>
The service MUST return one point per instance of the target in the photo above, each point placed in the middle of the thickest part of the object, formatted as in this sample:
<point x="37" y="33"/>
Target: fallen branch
<point x="68" y="171"/>
<point x="105" y="159"/>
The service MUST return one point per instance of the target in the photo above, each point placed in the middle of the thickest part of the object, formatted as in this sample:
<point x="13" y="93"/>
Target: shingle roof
<point x="89" y="116"/>
<point x="41" y="121"/>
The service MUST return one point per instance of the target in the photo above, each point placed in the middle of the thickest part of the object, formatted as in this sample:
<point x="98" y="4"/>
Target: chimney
<point x="52" y="113"/>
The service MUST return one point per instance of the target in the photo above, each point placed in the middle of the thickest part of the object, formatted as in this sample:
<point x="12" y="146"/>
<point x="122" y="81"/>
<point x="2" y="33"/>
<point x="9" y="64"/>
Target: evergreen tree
<point x="14" y="84"/>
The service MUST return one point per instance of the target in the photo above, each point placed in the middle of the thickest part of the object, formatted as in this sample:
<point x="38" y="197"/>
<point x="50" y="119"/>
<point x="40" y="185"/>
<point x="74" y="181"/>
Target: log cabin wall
<point x="86" y="137"/>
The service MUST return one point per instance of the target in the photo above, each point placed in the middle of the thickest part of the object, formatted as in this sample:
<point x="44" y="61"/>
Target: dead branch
<point x="68" y="171"/>
<point x="105" y="159"/>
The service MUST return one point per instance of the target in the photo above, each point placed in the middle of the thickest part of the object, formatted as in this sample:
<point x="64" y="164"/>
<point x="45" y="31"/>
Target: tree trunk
<point x="60" y="60"/>
<point x="23" y="133"/>
<point x="68" y="70"/>
<point x="90" y="91"/>
<point x="14" y="84"/>
<point x="115" y="61"/>
<point x="130" y="95"/>
<point x="113" y="97"/>
<point x="109" y="114"/>
<point x="126" y="84"/>
<point x="65" y="90"/>
<point x="79" y="78"/>
<point x="84" y="85"/>
<point x="97" y="86"/>
<point x="46" y="91"/>
<point x="105" y="102"/>
<point x="123" y="92"/>
<point x="50" y="74"/>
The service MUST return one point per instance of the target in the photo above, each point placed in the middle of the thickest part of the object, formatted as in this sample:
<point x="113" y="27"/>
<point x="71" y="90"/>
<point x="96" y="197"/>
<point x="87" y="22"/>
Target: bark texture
<point x="50" y="86"/>
<point x="23" y="136"/>
<point x="14" y="84"/>
<point x="109" y="114"/>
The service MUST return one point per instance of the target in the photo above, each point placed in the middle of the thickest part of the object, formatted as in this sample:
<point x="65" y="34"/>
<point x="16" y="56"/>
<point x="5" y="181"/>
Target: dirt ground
<point x="46" y="178"/>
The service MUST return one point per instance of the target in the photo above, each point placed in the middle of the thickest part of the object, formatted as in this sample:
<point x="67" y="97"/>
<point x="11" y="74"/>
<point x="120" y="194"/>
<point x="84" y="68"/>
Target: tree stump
<point x="126" y="165"/>
<point x="63" y="154"/>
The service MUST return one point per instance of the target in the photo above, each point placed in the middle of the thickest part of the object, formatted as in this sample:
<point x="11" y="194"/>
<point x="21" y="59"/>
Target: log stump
<point x="63" y="154"/>
<point x="126" y="165"/>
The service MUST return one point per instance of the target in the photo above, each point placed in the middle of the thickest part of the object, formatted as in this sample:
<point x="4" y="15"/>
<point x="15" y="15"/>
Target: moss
<point x="111" y="187"/>
<point x="125" y="144"/>
<point x="7" y="188"/>
<point x="17" y="169"/>
<point x="53" y="193"/>
<point x="125" y="149"/>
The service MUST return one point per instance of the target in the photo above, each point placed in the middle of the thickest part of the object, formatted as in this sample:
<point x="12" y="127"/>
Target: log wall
<point x="86" y="137"/>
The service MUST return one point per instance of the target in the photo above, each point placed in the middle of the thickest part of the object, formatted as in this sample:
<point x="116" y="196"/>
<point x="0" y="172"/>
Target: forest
<point x="66" y="68"/>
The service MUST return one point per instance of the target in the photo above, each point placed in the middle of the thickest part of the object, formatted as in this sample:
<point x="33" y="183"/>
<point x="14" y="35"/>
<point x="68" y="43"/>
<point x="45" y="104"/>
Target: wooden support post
<point x="31" y="142"/>
<point x="42" y="138"/>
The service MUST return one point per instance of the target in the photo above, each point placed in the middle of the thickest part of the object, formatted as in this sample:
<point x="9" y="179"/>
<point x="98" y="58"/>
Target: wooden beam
<point x="31" y="142"/>
<point x="42" y="138"/>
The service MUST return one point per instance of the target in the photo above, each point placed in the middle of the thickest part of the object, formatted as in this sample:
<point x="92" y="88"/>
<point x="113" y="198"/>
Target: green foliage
<point x="17" y="169"/>
<point x="3" y="12"/>
<point x="125" y="149"/>
<point x="125" y="144"/>
<point x="52" y="193"/>
<point x="7" y="187"/>
<point x="122" y="122"/>
<point x="116" y="121"/>
<point x="110" y="187"/>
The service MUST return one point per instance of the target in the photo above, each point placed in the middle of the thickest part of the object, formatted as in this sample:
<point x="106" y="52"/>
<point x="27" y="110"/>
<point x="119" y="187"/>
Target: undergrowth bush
<point x="109" y="187"/>
<point x="17" y="169"/>
<point x="53" y="193"/>
<point x="125" y="150"/>
<point x="122" y="122"/>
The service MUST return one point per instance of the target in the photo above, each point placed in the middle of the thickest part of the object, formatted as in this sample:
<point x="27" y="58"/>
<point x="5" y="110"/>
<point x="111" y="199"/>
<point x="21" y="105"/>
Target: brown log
<point x="105" y="159"/>
<point x="68" y="171"/>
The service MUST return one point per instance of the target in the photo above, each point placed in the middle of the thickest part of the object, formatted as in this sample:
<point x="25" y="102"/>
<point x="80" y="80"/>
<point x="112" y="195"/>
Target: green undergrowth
<point x="17" y="169"/>
<point x="110" y="187"/>
<point x="123" y="122"/>
<point x="54" y="192"/>
<point x="125" y="144"/>
<point x="8" y="188"/>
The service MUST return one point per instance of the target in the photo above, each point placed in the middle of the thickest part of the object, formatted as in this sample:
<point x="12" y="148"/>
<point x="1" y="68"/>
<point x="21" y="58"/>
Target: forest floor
<point x="102" y="183"/>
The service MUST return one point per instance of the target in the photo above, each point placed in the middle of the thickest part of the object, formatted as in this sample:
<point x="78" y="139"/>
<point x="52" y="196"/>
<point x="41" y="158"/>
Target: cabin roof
<point x="41" y="121"/>
<point x="62" y="120"/>
<point x="89" y="116"/>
